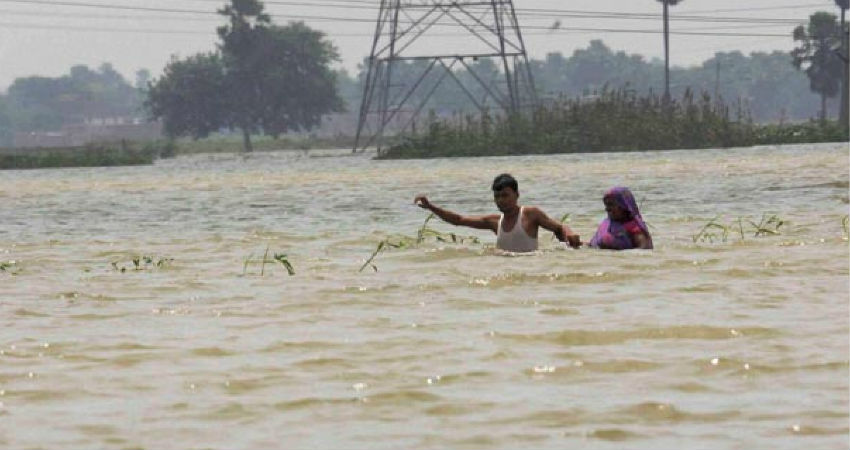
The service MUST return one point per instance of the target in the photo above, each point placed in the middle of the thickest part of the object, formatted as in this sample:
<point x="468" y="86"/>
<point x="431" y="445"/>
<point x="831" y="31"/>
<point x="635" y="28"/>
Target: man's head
<point x="505" y="192"/>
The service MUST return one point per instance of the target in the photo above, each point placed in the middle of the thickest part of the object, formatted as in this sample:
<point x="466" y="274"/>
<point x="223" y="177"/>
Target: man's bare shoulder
<point x="533" y="211"/>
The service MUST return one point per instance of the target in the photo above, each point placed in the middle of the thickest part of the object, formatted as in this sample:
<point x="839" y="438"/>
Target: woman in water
<point x="624" y="229"/>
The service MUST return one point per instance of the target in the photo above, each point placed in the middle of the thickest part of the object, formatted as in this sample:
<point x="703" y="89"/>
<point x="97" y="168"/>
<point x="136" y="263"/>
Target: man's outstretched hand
<point x="422" y="202"/>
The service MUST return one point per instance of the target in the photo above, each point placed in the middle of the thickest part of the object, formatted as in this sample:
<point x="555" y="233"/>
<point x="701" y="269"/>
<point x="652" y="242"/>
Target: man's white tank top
<point x="516" y="240"/>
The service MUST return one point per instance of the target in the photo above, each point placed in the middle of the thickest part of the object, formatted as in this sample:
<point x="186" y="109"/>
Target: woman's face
<point x="615" y="211"/>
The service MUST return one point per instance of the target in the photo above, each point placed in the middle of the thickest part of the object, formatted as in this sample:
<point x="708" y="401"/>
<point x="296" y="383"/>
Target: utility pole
<point x="407" y="34"/>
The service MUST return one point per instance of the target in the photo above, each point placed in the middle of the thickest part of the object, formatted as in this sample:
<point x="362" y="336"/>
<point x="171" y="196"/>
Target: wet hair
<point x="505" y="180"/>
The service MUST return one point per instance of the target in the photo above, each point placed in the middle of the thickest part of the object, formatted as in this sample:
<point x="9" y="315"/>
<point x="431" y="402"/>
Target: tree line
<point x="46" y="104"/>
<point x="768" y="83"/>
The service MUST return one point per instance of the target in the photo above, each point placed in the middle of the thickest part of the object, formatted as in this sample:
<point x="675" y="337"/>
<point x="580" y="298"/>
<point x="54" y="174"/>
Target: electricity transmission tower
<point x="418" y="44"/>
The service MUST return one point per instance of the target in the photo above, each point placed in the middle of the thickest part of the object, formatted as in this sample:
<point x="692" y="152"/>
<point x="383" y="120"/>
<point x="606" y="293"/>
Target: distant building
<point x="97" y="130"/>
<point x="40" y="139"/>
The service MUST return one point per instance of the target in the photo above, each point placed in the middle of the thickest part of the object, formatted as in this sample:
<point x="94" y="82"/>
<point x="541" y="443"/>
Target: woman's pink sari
<point x="614" y="235"/>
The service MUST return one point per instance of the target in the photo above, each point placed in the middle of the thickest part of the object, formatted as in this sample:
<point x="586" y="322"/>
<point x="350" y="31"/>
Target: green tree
<point x="36" y="102"/>
<point x="667" y="4"/>
<point x="284" y="82"/>
<point x="816" y="56"/>
<point x="267" y="79"/>
<point x="190" y="96"/>
<point x="240" y="40"/>
<point x="143" y="77"/>
<point x="845" y="57"/>
<point x="767" y="83"/>
<point x="44" y="104"/>
<point x="6" y="130"/>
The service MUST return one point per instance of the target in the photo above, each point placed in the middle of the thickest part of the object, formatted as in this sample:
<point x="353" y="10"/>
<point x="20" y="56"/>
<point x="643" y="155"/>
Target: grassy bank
<point x="92" y="155"/>
<point x="613" y="121"/>
<point x="233" y="144"/>
<point x="141" y="153"/>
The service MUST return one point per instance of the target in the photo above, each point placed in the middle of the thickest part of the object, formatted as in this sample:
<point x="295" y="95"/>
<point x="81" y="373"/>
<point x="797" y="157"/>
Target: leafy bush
<point x="91" y="155"/>
<point x="615" y="120"/>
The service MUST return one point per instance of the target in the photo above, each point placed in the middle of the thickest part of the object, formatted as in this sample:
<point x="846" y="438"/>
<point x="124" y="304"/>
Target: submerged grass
<point x="424" y="232"/>
<point x="142" y="263"/>
<point x="11" y="267"/>
<point x="715" y="230"/>
<point x="615" y="120"/>
<point x="280" y="258"/>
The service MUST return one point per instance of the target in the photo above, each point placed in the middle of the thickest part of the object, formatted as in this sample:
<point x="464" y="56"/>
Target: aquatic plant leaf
<point x="380" y="247"/>
<point x="282" y="258"/>
<point x="420" y="235"/>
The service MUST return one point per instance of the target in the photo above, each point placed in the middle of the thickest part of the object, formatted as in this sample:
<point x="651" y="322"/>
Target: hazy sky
<point x="47" y="37"/>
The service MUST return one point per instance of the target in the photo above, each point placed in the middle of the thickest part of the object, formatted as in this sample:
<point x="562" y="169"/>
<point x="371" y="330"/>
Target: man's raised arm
<point x="490" y="222"/>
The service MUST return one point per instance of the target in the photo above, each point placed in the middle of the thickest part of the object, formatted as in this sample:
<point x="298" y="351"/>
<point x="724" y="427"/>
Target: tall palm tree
<point x="667" y="4"/>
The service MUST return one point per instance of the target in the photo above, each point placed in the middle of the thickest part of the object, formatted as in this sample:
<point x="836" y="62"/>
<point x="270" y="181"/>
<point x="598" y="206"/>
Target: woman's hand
<point x="641" y="241"/>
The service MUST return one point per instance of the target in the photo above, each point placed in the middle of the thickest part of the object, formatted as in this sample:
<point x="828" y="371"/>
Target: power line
<point x="101" y="29"/>
<point x="705" y="31"/>
<point x="761" y="8"/>
<point x="535" y="12"/>
<point x="547" y="31"/>
<point x="370" y="5"/>
<point x="84" y="16"/>
<point x="42" y="14"/>
<point x="103" y="6"/>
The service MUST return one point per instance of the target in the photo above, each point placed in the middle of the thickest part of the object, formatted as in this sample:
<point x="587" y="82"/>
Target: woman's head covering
<point x="623" y="196"/>
<point x="615" y="235"/>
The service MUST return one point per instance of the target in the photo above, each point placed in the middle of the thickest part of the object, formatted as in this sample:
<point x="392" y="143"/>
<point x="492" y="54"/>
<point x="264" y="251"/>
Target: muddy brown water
<point x="741" y="344"/>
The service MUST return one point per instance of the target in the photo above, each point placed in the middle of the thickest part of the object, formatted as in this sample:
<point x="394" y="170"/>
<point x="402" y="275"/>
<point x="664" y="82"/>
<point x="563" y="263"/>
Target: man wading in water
<point x="516" y="228"/>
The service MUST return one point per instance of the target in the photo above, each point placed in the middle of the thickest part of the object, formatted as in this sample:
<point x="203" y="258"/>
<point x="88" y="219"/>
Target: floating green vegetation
<point x="424" y="232"/>
<point x="717" y="231"/>
<point x="283" y="260"/>
<point x="383" y="245"/>
<point x="11" y="267"/>
<point x="143" y="263"/>
<point x="279" y="258"/>
<point x="845" y="225"/>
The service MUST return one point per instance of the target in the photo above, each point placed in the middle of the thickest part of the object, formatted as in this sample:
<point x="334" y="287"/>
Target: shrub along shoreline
<point x="614" y="121"/>
<point x="131" y="153"/>
<point x="123" y="153"/>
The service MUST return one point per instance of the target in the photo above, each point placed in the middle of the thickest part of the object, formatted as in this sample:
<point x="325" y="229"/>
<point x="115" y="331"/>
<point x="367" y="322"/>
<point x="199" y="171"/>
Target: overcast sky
<point x="47" y="37"/>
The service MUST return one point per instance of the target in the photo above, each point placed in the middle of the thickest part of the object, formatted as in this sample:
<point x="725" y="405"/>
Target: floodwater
<point x="735" y="344"/>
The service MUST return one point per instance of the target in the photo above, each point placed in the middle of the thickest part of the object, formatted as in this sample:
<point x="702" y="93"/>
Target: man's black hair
<point x="505" y="180"/>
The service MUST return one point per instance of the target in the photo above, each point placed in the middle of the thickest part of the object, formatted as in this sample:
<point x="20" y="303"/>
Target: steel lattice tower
<point x="410" y="30"/>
